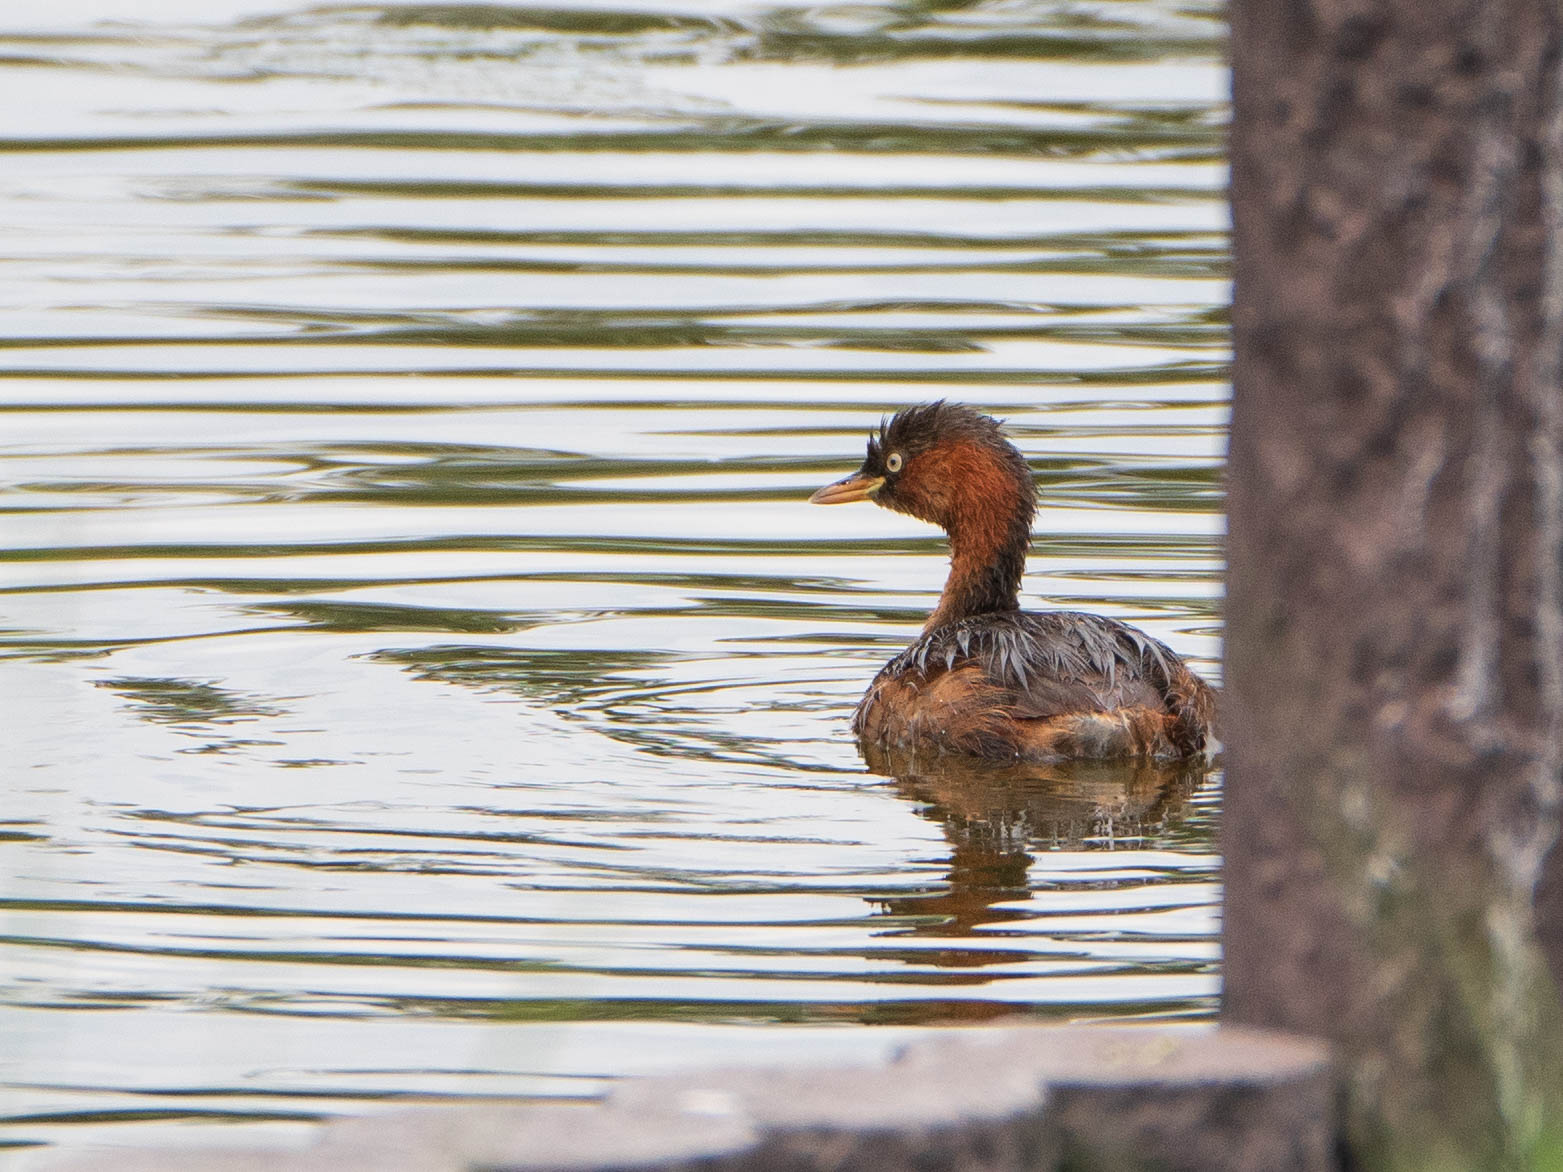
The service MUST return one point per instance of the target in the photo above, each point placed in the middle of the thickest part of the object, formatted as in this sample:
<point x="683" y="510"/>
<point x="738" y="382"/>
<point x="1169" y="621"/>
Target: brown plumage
<point x="986" y="678"/>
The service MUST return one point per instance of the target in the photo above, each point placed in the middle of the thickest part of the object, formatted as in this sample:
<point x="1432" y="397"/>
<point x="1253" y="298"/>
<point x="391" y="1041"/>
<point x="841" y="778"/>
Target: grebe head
<point x="944" y="463"/>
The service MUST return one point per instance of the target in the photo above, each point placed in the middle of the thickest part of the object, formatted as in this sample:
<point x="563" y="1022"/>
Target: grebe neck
<point x="987" y="559"/>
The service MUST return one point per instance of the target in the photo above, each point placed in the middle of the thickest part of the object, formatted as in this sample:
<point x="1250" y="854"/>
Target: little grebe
<point x="986" y="678"/>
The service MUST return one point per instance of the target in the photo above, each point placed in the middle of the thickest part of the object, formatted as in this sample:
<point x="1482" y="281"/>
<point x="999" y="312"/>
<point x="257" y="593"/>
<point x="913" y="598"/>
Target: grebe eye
<point x="893" y="462"/>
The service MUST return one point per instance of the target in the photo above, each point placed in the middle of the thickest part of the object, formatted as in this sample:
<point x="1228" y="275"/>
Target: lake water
<point x="422" y="674"/>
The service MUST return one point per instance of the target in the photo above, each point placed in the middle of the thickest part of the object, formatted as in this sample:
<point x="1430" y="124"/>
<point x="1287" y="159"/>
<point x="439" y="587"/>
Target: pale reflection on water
<point x="422" y="674"/>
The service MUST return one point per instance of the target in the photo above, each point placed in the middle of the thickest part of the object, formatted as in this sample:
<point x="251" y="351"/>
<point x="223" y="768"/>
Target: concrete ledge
<point x="1021" y="1099"/>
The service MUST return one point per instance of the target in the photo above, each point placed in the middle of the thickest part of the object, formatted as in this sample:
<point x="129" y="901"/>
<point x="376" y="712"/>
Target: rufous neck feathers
<point x="987" y="512"/>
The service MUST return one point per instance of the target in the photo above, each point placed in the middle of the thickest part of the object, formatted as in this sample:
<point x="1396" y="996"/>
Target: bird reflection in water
<point x="995" y="816"/>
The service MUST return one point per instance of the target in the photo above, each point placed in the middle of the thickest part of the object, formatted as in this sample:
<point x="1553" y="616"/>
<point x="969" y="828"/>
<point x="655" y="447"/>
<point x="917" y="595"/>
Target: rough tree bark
<point x="1394" y="713"/>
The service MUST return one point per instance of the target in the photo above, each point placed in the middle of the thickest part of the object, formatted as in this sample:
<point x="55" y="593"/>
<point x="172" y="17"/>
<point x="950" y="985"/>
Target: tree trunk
<point x="1394" y="713"/>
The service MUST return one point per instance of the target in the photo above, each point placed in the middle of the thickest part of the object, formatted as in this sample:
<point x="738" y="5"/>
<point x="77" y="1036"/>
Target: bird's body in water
<point x="986" y="678"/>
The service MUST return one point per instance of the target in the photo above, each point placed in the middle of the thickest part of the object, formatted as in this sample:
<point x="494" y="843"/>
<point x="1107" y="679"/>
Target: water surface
<point x="422" y="674"/>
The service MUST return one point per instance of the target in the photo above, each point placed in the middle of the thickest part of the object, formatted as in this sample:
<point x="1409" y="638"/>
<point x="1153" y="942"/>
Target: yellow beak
<point x="854" y="488"/>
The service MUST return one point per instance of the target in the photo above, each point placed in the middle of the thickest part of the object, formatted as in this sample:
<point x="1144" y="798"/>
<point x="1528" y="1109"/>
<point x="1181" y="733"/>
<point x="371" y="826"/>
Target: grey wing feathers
<point x="1053" y="662"/>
